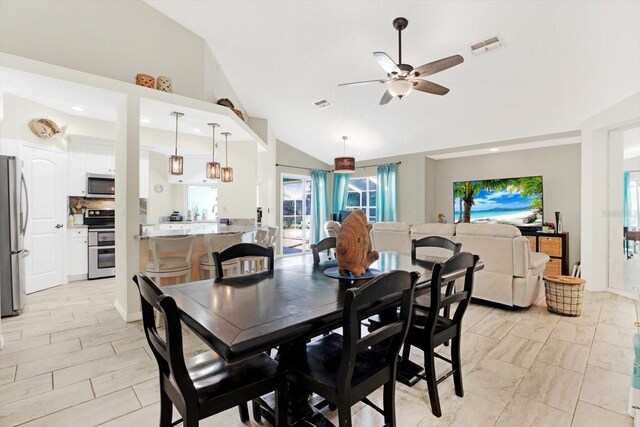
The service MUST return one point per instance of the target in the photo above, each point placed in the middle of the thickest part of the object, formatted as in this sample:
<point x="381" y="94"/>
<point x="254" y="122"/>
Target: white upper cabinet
<point x="100" y="159"/>
<point x="194" y="170"/>
<point x="76" y="169"/>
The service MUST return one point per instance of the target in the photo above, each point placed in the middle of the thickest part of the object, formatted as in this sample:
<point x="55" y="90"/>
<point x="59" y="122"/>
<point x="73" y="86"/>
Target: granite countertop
<point x="211" y="228"/>
<point x="208" y="221"/>
<point x="77" y="226"/>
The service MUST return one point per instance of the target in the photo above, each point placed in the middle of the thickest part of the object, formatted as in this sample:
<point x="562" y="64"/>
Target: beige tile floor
<point x="70" y="360"/>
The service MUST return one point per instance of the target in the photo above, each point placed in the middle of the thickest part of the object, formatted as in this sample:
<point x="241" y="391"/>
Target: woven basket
<point x="164" y="84"/>
<point x="145" y="80"/>
<point x="564" y="294"/>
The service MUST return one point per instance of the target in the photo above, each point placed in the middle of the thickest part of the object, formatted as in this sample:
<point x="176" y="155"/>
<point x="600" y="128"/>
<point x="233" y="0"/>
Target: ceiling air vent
<point x="486" y="45"/>
<point x="322" y="103"/>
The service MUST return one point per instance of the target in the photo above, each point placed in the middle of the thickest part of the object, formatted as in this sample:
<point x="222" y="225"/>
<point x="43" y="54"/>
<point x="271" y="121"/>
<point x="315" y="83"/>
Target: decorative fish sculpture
<point x="353" y="246"/>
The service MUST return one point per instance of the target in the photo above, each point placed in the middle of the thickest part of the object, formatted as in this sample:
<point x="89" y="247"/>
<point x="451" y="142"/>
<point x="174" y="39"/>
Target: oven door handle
<point x="95" y="248"/>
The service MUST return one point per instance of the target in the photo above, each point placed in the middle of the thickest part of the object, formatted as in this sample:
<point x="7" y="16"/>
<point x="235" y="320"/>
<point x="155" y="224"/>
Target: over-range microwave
<point x="101" y="186"/>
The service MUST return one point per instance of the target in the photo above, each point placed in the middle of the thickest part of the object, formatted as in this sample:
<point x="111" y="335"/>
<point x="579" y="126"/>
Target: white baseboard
<point x="130" y="317"/>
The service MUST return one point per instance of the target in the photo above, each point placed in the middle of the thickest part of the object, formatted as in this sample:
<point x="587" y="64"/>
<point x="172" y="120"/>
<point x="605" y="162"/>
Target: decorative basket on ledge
<point x="564" y="294"/>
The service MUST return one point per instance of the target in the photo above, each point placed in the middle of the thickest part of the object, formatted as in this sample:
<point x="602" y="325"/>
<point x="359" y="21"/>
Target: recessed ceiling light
<point x="145" y="121"/>
<point x="196" y="129"/>
<point x="494" y="149"/>
<point x="77" y="108"/>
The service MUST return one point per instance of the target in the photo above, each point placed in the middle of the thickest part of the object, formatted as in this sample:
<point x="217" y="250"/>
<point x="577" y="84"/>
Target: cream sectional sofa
<point x="512" y="274"/>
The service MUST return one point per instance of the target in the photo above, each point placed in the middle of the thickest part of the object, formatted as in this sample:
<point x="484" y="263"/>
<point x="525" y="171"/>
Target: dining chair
<point x="344" y="369"/>
<point x="170" y="257"/>
<point x="217" y="243"/>
<point x="332" y="228"/>
<point x="272" y="235"/>
<point x="205" y="384"/>
<point x="429" y="329"/>
<point x="242" y="250"/>
<point x="323" y="245"/>
<point x="439" y="247"/>
<point x="255" y="264"/>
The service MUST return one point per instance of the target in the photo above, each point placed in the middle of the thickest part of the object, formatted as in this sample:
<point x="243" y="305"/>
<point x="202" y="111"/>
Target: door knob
<point x="59" y="226"/>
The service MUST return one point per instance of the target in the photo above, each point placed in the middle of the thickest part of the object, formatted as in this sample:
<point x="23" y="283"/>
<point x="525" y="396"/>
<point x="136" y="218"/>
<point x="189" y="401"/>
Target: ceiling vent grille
<point x="486" y="45"/>
<point x="322" y="103"/>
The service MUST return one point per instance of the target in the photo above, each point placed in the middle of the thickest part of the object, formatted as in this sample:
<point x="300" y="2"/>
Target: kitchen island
<point x="194" y="229"/>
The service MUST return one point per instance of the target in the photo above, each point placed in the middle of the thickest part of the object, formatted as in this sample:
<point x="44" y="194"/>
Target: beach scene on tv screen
<point x="513" y="201"/>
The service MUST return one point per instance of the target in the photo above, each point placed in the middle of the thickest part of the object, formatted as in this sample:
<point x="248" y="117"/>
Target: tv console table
<point x="556" y="245"/>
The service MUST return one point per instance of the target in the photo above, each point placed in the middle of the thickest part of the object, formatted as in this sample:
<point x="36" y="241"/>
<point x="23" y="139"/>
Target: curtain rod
<point x="357" y="167"/>
<point x="375" y="166"/>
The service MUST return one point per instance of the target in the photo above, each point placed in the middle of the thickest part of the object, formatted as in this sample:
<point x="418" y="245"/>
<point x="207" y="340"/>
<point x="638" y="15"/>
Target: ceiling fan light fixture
<point x="400" y="88"/>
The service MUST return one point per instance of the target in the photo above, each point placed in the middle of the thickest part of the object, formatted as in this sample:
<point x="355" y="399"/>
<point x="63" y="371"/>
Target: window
<point x="203" y="201"/>
<point x="362" y="195"/>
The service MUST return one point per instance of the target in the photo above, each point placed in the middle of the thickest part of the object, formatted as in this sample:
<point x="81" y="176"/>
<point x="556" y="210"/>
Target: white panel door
<point x="43" y="175"/>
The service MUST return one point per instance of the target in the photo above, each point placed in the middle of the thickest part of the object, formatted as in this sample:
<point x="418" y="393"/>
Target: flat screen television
<point x="514" y="201"/>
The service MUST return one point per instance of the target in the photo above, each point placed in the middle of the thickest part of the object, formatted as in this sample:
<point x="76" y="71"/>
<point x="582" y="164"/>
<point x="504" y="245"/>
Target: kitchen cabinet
<point x="101" y="159"/>
<point x="76" y="169"/>
<point x="77" y="254"/>
<point x="194" y="170"/>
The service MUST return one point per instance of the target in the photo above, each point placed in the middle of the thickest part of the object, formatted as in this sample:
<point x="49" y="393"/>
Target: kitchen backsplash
<point x="77" y="205"/>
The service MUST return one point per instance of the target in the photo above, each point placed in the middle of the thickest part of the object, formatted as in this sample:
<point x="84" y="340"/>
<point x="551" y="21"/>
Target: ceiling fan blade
<point x="430" y="87"/>
<point x="437" y="66"/>
<point x="386" y="63"/>
<point x="364" y="82"/>
<point x="386" y="97"/>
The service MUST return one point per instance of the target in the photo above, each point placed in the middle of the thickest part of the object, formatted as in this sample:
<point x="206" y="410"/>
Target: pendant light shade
<point x="175" y="161"/>
<point x="344" y="164"/>
<point x="213" y="167"/>
<point x="227" y="172"/>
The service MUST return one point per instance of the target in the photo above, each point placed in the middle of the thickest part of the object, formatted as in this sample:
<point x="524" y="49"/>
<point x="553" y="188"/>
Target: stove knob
<point x="90" y="213"/>
<point x="96" y="212"/>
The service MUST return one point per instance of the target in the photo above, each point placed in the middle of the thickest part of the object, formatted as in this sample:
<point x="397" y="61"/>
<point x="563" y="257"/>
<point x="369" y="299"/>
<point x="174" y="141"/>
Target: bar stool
<point x="255" y="264"/>
<point x="218" y="243"/>
<point x="170" y="257"/>
<point x="272" y="234"/>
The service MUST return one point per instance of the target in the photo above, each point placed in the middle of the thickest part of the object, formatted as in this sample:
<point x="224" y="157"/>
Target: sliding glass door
<point x="295" y="213"/>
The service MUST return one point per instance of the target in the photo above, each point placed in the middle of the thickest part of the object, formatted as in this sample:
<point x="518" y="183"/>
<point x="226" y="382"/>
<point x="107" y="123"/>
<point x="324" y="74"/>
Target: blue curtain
<point x="625" y="195"/>
<point x="319" y="205"/>
<point x="386" y="200"/>
<point x="340" y="192"/>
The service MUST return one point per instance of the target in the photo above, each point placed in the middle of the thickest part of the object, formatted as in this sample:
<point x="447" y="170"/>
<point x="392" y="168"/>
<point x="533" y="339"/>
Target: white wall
<point x="115" y="39"/>
<point x="238" y="199"/>
<point x="266" y="171"/>
<point x="559" y="167"/>
<point x="172" y="197"/>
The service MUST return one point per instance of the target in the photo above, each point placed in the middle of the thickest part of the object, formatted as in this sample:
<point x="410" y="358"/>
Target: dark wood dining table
<point x="242" y="316"/>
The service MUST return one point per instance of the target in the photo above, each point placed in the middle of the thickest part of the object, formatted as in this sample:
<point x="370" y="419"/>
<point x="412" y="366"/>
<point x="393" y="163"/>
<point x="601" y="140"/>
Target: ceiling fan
<point x="403" y="78"/>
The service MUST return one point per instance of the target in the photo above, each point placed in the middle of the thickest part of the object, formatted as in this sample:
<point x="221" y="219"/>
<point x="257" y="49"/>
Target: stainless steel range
<point x="102" y="243"/>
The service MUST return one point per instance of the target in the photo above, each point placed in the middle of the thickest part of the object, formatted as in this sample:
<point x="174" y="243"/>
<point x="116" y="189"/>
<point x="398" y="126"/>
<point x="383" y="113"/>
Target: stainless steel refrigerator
<point x="14" y="216"/>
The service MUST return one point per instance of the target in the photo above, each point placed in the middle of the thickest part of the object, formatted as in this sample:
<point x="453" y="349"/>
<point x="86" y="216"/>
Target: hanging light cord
<point x="213" y="142"/>
<point x="344" y="146"/>
<point x="176" y="152"/>
<point x="226" y="150"/>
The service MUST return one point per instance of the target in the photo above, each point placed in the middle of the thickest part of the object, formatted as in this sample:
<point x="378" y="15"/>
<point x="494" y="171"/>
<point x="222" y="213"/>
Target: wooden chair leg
<point x="389" y="403"/>
<point x="244" y="412"/>
<point x="166" y="408"/>
<point x="457" y="366"/>
<point x="344" y="414"/>
<point x="282" y="405"/>
<point x="406" y="352"/>
<point x="432" y="386"/>
<point x="257" y="412"/>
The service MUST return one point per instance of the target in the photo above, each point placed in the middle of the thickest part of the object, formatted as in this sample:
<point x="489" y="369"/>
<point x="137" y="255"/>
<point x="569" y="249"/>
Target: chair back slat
<point x="322" y="245"/>
<point x="220" y="242"/>
<point x="171" y="246"/>
<point x="460" y="265"/>
<point x="168" y="350"/>
<point x="362" y="301"/>
<point x="435" y="242"/>
<point x="262" y="237"/>
<point x="242" y="250"/>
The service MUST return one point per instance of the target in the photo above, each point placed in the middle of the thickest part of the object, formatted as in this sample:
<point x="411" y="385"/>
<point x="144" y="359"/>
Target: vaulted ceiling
<point x="561" y="63"/>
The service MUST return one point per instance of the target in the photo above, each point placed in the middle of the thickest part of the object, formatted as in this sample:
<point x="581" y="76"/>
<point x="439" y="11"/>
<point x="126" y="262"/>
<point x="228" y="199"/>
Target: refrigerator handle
<point x="26" y="196"/>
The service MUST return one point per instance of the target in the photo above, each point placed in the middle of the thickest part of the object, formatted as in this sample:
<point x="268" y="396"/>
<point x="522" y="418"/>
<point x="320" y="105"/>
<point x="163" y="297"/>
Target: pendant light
<point x="344" y="164"/>
<point x="213" y="167"/>
<point x="175" y="161"/>
<point x="227" y="172"/>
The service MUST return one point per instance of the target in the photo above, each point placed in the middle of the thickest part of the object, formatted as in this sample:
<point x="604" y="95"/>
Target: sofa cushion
<point x="489" y="230"/>
<point x="432" y="229"/>
<point x="391" y="236"/>
<point x="401" y="227"/>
